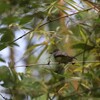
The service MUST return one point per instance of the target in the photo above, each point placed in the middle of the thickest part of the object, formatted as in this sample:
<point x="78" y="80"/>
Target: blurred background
<point x="31" y="30"/>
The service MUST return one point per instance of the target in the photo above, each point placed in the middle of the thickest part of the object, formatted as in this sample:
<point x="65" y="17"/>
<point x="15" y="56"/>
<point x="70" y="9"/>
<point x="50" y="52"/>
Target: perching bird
<point x="62" y="57"/>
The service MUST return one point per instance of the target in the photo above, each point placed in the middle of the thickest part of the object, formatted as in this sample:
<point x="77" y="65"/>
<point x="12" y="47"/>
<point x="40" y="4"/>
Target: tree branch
<point x="4" y="97"/>
<point x="48" y="23"/>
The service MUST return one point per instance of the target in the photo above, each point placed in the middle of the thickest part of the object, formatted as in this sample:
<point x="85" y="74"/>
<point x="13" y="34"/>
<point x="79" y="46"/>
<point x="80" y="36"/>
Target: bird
<point x="62" y="57"/>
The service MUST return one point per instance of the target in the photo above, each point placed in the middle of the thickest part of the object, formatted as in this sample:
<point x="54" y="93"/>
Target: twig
<point x="53" y="96"/>
<point x="49" y="22"/>
<point x="3" y="97"/>
<point x="54" y="63"/>
<point x="51" y="63"/>
<point x="49" y="97"/>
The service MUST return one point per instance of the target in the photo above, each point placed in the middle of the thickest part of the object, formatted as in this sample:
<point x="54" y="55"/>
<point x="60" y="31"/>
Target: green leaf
<point x="36" y="5"/>
<point x="45" y="48"/>
<point x="2" y="46"/>
<point x="9" y="76"/>
<point x="4" y="30"/>
<point x="8" y="36"/>
<point x="32" y="48"/>
<point x="85" y="86"/>
<point x="31" y="87"/>
<point x="72" y="5"/>
<point x="63" y="7"/>
<point x="51" y="6"/>
<point x="78" y="16"/>
<point x="40" y="14"/>
<point x="9" y="20"/>
<point x="97" y="20"/>
<point x="2" y="60"/>
<point x="4" y="73"/>
<point x="4" y="6"/>
<point x="26" y="19"/>
<point x="43" y="97"/>
<point x="82" y="33"/>
<point x="82" y="46"/>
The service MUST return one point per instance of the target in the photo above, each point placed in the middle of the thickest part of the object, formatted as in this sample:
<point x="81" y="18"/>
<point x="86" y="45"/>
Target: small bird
<point x="62" y="57"/>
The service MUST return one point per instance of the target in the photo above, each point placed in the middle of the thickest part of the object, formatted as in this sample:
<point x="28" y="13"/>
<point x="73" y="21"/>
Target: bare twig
<point x="3" y="97"/>
<point x="48" y="97"/>
<point x="53" y="63"/>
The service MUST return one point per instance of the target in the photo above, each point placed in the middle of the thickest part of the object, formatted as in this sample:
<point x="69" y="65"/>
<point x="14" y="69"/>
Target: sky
<point x="19" y="51"/>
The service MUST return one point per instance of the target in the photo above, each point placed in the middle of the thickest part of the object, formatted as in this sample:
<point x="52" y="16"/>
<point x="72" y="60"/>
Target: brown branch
<point x="48" y="23"/>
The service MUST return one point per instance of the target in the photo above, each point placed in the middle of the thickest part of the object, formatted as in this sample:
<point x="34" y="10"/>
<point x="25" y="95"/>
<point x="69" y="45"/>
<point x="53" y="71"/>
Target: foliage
<point x="70" y="25"/>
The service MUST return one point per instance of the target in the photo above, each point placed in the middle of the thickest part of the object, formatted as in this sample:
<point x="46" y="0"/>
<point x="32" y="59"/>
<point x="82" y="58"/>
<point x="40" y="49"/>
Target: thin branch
<point x="50" y="22"/>
<point x="65" y="16"/>
<point x="49" y="97"/>
<point x="53" y="96"/>
<point x="3" y="97"/>
<point x="53" y="63"/>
